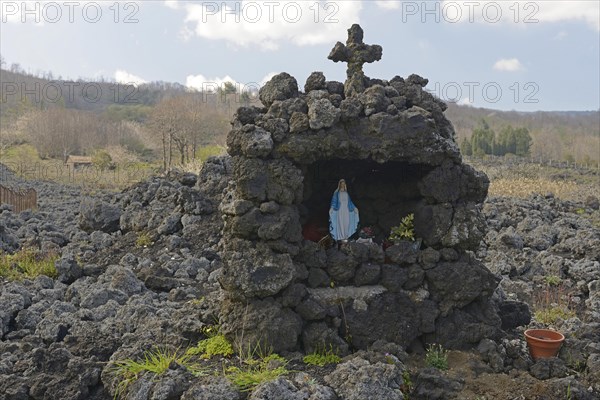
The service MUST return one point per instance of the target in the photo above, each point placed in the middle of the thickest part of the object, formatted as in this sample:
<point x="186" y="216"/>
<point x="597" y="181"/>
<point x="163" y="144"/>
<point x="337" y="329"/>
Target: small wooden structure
<point x="21" y="200"/>
<point x="75" y="162"/>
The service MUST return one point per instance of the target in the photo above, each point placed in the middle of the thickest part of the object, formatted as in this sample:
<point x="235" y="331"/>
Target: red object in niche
<point x="314" y="232"/>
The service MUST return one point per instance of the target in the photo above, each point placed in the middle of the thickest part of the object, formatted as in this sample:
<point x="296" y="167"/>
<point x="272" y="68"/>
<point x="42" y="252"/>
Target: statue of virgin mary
<point x="343" y="214"/>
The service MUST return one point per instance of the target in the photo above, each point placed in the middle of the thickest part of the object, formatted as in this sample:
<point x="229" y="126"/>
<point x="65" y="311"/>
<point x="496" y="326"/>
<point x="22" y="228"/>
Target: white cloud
<point x="269" y="24"/>
<point x="172" y="4"/>
<point x="554" y="11"/>
<point x="267" y="78"/>
<point x="520" y="13"/>
<point x="465" y="101"/>
<point x="202" y="83"/>
<point x="508" y="64"/>
<point x="389" y="4"/>
<point x="122" y="76"/>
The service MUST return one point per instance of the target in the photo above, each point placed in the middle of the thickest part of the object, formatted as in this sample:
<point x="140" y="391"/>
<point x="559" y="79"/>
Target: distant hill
<point x="557" y="135"/>
<point x="21" y="92"/>
<point x="466" y="118"/>
<point x="130" y="123"/>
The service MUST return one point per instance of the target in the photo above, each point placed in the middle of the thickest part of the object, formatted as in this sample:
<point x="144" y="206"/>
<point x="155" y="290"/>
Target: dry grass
<point x="525" y="187"/>
<point x="193" y="166"/>
<point x="552" y="302"/>
<point x="26" y="163"/>
<point x="121" y="156"/>
<point x="202" y="154"/>
<point x="513" y="179"/>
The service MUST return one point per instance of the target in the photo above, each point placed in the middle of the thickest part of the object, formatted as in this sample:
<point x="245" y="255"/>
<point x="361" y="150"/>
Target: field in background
<point x="26" y="163"/>
<point x="517" y="177"/>
<point x="509" y="176"/>
<point x="558" y="135"/>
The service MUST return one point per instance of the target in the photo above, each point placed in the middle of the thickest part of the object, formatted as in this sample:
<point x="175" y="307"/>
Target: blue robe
<point x="350" y="220"/>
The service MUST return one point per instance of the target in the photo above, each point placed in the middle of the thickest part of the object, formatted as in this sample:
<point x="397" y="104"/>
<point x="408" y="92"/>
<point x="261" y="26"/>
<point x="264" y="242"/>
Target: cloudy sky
<point x="509" y="55"/>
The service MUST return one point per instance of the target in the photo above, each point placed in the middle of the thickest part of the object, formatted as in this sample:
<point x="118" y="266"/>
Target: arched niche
<point x="383" y="192"/>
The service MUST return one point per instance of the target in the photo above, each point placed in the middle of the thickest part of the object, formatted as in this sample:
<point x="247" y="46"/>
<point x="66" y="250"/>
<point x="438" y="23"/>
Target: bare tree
<point x="186" y="122"/>
<point x="58" y="132"/>
<point x="163" y="120"/>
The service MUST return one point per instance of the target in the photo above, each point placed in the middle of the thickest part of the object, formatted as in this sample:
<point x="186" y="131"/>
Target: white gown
<point x="343" y="221"/>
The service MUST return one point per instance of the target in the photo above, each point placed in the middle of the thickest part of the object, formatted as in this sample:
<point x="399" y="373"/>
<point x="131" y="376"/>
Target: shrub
<point x="407" y="384"/>
<point x="552" y="280"/>
<point x="437" y="357"/>
<point x="102" y="160"/>
<point x="404" y="231"/>
<point x="552" y="302"/>
<point x="552" y="314"/>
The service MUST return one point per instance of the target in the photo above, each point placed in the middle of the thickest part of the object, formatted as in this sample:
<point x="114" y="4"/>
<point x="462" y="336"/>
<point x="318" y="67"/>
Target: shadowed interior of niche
<point x="383" y="193"/>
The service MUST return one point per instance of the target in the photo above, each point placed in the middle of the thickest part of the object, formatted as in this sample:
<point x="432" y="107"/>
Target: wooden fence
<point x="21" y="200"/>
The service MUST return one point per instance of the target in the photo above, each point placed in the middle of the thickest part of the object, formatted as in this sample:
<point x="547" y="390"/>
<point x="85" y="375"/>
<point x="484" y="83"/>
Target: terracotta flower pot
<point x="543" y="343"/>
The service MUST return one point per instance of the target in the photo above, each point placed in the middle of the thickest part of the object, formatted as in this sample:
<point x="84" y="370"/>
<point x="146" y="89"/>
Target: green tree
<point x="102" y="160"/>
<point x="505" y="142"/>
<point x="465" y="147"/>
<point x="245" y="98"/>
<point x="522" y="142"/>
<point x="229" y="88"/>
<point x="133" y="112"/>
<point x="482" y="139"/>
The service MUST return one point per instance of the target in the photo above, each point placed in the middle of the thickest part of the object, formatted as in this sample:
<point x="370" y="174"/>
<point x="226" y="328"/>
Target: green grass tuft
<point x="143" y="240"/>
<point x="246" y="379"/>
<point x="217" y="345"/>
<point x="27" y="264"/>
<point x="321" y="358"/>
<point x="156" y="361"/>
<point x="253" y="372"/>
<point x="256" y="365"/>
<point x="552" y="314"/>
<point x="552" y="301"/>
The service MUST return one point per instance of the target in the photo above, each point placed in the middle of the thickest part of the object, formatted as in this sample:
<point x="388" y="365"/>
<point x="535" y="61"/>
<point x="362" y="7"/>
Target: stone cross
<point x="355" y="53"/>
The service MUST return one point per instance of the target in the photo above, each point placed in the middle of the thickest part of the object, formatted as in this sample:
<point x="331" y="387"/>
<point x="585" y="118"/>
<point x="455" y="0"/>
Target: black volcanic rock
<point x="281" y="87"/>
<point x="391" y="141"/>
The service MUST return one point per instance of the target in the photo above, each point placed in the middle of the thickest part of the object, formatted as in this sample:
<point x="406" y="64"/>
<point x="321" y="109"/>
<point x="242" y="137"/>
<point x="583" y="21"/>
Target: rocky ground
<point x="140" y="269"/>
